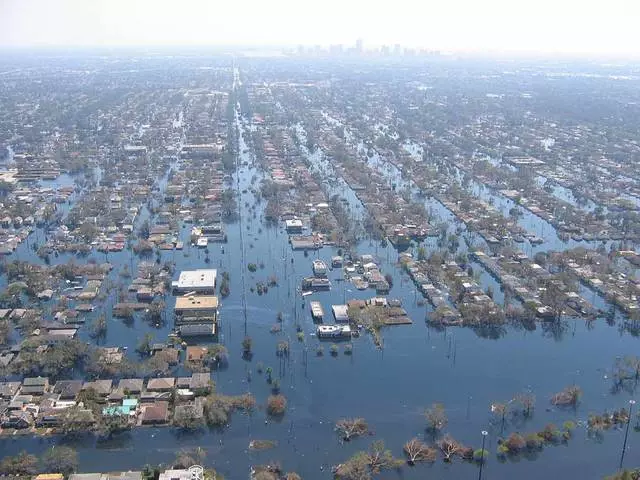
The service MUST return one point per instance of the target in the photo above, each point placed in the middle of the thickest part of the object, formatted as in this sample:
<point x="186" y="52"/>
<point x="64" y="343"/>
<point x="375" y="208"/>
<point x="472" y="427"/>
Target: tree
<point x="418" y="451"/>
<point x="500" y="411"/>
<point x="276" y="405"/>
<point x="515" y="443"/>
<point x="355" y="468"/>
<point x="626" y="372"/>
<point x="23" y="464"/>
<point x="99" y="327"/>
<point x="187" y="417"/>
<point x="480" y="455"/>
<point x="109" y="425"/>
<point x="60" y="459"/>
<point x="217" y="355"/>
<point x="54" y="361"/>
<point x="247" y="343"/>
<point x="76" y="420"/>
<point x="352" y="427"/>
<point x="153" y="314"/>
<point x="436" y="417"/>
<point x="363" y="465"/>
<point x="144" y="230"/>
<point x="625" y="475"/>
<point x="528" y="402"/>
<point x="534" y="441"/>
<point x="451" y="447"/>
<point x="188" y="458"/>
<point x="5" y="188"/>
<point x="217" y="408"/>
<point x="144" y="347"/>
<point x="381" y="458"/>
<point x="569" y="396"/>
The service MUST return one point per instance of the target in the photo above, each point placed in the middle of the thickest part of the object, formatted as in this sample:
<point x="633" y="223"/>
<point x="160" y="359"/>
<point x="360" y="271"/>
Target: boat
<point x="316" y="310"/>
<point x="333" y="331"/>
<point x="202" y="242"/>
<point x="319" y="268"/>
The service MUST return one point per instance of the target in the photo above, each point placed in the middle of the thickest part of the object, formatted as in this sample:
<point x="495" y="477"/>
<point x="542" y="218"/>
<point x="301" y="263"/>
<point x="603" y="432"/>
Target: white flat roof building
<point x="293" y="225"/>
<point x="198" y="281"/>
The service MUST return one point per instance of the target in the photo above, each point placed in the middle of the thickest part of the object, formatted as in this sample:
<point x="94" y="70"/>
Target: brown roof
<point x="161" y="383"/>
<point x="157" y="412"/>
<point x="196" y="353"/>
<point x="133" y="385"/>
<point x="102" y="387"/>
<point x="356" y="303"/>
<point x="196" y="302"/>
<point x="200" y="381"/>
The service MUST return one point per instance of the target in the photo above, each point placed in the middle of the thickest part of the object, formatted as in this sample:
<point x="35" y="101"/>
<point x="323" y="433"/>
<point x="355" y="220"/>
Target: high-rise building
<point x="359" y="45"/>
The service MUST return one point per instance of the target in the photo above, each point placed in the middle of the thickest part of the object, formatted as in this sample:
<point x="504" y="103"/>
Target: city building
<point x="197" y="281"/>
<point x="196" y="314"/>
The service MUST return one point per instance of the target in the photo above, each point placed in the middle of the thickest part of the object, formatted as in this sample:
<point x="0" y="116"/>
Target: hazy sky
<point x="563" y="26"/>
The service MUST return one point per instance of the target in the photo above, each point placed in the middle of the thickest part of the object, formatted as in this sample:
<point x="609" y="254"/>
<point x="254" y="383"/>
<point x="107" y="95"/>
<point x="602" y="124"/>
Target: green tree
<point x="60" y="459"/>
<point x="187" y="458"/>
<point x="187" y="417"/>
<point x="144" y="347"/>
<point x="23" y="464"/>
<point x="109" y="425"/>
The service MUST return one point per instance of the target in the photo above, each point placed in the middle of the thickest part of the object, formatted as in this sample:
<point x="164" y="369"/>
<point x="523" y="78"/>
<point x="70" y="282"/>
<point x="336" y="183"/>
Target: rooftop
<point x="196" y="279"/>
<point x="196" y="302"/>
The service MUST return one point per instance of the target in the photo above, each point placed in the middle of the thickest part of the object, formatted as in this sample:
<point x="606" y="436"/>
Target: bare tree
<point x="528" y="402"/>
<point x="352" y="427"/>
<point x="436" y="417"/>
<point x="500" y="411"/>
<point x="569" y="396"/>
<point x="451" y="447"/>
<point x="362" y="465"/>
<point x="418" y="451"/>
<point x="381" y="459"/>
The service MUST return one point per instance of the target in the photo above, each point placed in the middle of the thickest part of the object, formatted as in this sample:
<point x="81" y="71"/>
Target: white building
<point x="294" y="225"/>
<point x="198" y="281"/>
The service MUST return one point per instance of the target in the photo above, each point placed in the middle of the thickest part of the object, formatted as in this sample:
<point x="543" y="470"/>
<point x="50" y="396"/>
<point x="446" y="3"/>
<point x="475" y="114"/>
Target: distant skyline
<point x="594" y="27"/>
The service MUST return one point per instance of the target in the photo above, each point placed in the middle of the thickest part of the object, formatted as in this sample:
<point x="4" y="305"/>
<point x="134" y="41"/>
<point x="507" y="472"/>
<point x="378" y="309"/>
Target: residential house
<point x="182" y="474"/>
<point x="196" y="353"/>
<point x="161" y="384"/>
<point x="201" y="383"/>
<point x="17" y="420"/>
<point x="102" y="387"/>
<point x="35" y="386"/>
<point x="155" y="413"/>
<point x="67" y="389"/>
<point x="131" y="385"/>
<point x="9" y="389"/>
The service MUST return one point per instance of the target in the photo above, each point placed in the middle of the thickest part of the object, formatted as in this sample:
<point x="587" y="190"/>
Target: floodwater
<point x="390" y="387"/>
